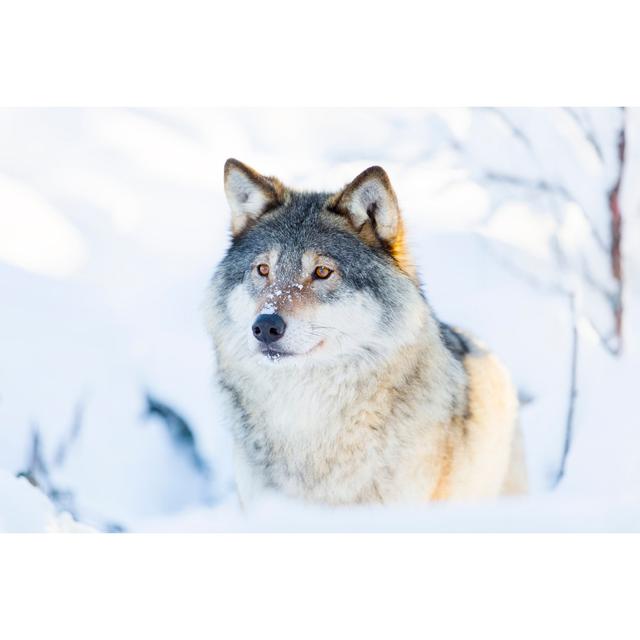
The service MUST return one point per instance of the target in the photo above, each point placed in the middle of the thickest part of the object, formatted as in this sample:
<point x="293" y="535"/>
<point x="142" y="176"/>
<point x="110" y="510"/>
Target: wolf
<point x="340" y="384"/>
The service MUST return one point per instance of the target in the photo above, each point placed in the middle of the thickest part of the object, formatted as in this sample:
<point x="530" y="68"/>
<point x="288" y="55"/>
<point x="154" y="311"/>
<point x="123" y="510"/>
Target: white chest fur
<point x="342" y="435"/>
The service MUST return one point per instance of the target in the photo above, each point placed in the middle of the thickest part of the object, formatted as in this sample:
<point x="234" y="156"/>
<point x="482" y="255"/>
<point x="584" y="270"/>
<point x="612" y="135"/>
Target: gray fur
<point x="303" y="222"/>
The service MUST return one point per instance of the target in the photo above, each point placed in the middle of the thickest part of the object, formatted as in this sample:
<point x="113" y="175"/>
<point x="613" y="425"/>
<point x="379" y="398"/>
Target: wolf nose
<point x="268" y="327"/>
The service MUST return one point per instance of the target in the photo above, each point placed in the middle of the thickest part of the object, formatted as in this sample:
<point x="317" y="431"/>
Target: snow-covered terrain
<point x="111" y="222"/>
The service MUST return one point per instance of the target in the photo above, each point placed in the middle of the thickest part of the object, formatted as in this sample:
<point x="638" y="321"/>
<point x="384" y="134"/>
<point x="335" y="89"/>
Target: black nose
<point x="268" y="327"/>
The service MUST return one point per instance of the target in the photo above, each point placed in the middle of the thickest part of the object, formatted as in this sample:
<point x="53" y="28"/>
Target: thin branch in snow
<point x="605" y="341"/>
<point x="36" y="471"/>
<point x="516" y="132"/>
<point x="551" y="188"/>
<point x="573" y="392"/>
<point x="534" y="185"/>
<point x="179" y="431"/>
<point x="525" y="275"/>
<point x="616" y="236"/>
<point x="597" y="286"/>
<point x="67" y="443"/>
<point x="586" y="131"/>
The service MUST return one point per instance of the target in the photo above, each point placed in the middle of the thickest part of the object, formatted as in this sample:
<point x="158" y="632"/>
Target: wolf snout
<point x="268" y="327"/>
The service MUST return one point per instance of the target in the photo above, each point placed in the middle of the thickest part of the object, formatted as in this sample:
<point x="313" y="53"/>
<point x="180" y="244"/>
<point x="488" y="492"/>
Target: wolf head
<point x="313" y="278"/>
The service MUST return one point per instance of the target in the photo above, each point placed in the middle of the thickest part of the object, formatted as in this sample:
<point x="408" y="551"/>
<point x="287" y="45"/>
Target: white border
<point x="319" y="586"/>
<point x="335" y="53"/>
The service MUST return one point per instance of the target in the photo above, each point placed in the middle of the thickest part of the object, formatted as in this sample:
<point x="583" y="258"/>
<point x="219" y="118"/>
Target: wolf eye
<point x="322" y="273"/>
<point x="263" y="270"/>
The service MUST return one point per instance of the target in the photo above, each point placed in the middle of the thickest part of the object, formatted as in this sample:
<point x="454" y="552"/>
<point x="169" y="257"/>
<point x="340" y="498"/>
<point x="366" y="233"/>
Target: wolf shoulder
<point x="490" y="428"/>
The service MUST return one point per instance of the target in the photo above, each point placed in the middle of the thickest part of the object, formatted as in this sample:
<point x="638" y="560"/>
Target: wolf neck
<point x="291" y="403"/>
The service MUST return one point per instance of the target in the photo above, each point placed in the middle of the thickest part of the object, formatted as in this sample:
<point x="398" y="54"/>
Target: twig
<point x="536" y="185"/>
<point x="66" y="444"/>
<point x="573" y="393"/>
<point x="616" y="236"/>
<point x="36" y="471"/>
<point x="179" y="431"/>
<point x="544" y="186"/>
<point x="517" y="271"/>
<point x="587" y="132"/>
<point x="515" y="130"/>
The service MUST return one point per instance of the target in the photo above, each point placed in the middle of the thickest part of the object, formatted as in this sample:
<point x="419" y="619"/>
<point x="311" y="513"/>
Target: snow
<point x="111" y="222"/>
<point x="25" y="509"/>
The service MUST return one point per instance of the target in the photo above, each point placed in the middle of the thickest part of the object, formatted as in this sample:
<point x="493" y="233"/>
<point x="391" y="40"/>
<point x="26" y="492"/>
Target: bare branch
<point x="515" y="131"/>
<point x="616" y="236"/>
<point x="67" y="443"/>
<point x="547" y="187"/>
<point x="573" y="393"/>
<point x="594" y="284"/>
<point x="179" y="430"/>
<point x="524" y="183"/>
<point x="523" y="274"/>
<point x="587" y="131"/>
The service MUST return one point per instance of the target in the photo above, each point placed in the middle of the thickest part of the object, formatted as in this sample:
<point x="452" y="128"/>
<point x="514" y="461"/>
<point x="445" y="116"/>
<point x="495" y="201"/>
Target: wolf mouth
<point x="277" y="354"/>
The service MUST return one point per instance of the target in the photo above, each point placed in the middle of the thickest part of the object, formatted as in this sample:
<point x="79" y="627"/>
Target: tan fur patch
<point x="400" y="252"/>
<point x="477" y="453"/>
<point x="290" y="301"/>
<point x="441" y="491"/>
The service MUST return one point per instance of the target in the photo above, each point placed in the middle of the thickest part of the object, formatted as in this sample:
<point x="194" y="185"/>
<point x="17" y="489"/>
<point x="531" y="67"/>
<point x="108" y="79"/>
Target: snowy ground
<point x="112" y="220"/>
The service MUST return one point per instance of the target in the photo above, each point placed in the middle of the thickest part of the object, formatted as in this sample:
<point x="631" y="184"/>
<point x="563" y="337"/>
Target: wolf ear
<point x="370" y="198"/>
<point x="249" y="194"/>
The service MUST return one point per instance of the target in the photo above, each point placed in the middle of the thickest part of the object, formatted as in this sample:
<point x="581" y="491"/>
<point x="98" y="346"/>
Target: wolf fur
<point x="367" y="397"/>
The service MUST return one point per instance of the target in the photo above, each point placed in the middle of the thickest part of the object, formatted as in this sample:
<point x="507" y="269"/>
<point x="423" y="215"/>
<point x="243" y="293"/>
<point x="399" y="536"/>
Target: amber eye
<point x="322" y="273"/>
<point x="263" y="270"/>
